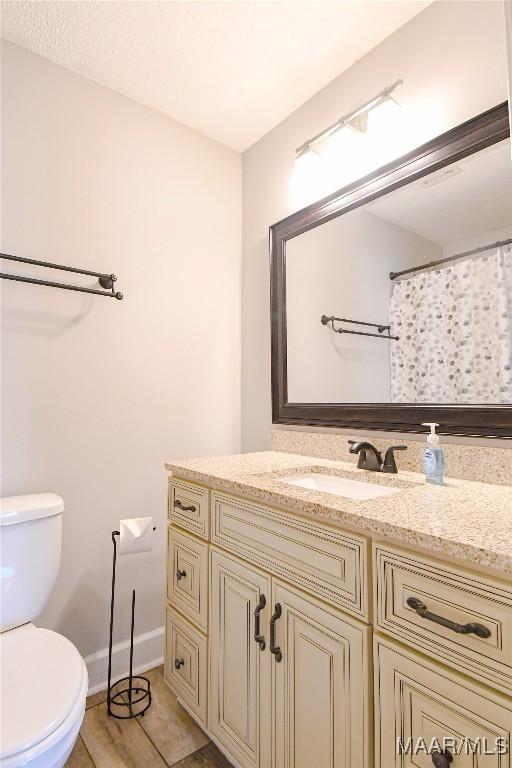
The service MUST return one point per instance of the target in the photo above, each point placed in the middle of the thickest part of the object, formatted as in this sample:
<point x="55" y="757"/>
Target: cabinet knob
<point x="180" y="574"/>
<point x="442" y="759"/>
<point x="179" y="663"/>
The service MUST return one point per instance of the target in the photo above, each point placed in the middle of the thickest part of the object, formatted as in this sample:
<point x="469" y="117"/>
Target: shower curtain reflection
<point x="455" y="329"/>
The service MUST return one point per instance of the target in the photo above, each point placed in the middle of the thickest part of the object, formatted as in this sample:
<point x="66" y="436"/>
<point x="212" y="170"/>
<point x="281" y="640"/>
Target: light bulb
<point x="385" y="131"/>
<point x="345" y="156"/>
<point x="306" y="161"/>
<point x="309" y="177"/>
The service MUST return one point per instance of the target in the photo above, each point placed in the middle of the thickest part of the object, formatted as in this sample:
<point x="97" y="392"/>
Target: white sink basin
<point x="340" y="486"/>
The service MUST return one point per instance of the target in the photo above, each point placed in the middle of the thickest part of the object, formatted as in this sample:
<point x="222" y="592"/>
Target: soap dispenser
<point x="433" y="458"/>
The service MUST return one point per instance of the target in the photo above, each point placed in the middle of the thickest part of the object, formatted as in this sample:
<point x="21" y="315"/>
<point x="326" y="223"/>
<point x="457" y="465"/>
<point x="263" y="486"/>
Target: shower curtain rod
<point x="419" y="268"/>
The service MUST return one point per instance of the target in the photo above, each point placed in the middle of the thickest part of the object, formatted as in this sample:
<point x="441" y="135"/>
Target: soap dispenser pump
<point x="433" y="458"/>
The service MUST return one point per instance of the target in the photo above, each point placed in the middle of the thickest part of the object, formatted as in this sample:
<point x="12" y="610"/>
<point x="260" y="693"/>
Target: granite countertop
<point x="467" y="520"/>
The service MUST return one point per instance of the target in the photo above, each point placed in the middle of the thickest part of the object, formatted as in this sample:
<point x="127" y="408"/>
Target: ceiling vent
<point x="440" y="176"/>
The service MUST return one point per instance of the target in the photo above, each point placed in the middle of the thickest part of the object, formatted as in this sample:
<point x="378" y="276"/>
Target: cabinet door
<point x="239" y="693"/>
<point x="427" y="714"/>
<point x="320" y="685"/>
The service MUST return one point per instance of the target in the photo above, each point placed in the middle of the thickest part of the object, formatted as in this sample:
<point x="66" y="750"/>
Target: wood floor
<point x="165" y="736"/>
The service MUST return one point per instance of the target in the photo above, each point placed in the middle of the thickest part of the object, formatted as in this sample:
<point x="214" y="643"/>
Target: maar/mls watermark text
<point x="481" y="745"/>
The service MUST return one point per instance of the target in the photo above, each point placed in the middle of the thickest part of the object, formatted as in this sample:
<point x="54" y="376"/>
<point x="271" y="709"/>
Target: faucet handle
<point x="389" y="464"/>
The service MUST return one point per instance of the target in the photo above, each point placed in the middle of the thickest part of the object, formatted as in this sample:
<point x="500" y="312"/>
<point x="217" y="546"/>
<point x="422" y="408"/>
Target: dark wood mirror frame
<point x="485" y="421"/>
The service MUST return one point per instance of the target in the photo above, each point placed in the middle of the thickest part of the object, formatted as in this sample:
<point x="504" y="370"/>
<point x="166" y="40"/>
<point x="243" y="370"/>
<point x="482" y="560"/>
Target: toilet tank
<point x="30" y="544"/>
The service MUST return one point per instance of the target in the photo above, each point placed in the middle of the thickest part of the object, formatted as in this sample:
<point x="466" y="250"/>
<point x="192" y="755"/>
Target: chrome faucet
<point x="371" y="459"/>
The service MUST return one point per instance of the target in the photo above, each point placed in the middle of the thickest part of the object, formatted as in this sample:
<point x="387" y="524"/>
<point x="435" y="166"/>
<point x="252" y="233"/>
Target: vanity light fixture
<point x="357" y="121"/>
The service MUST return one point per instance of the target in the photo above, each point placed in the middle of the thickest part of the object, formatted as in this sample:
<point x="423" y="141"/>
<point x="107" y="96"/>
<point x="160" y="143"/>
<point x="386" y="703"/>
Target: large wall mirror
<point x="392" y="299"/>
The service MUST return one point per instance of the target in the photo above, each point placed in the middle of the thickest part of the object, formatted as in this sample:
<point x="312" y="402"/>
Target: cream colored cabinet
<point x="452" y="710"/>
<point x="461" y="618"/>
<point x="320" y="685"/>
<point x="269" y="643"/>
<point x="427" y="715"/>
<point x="186" y="646"/>
<point x="320" y="705"/>
<point x="319" y="559"/>
<point x="239" y="716"/>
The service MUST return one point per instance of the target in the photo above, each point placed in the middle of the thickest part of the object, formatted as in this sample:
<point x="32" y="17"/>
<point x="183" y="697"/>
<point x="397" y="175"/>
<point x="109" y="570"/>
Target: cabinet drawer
<point x="455" y="597"/>
<point x="187" y="576"/>
<point x="188" y="507"/>
<point x="421" y="707"/>
<point x="186" y="664"/>
<point x="323" y="561"/>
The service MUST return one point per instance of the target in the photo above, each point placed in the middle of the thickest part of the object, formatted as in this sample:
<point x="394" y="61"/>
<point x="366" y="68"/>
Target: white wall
<point x="97" y="394"/>
<point x="477" y="241"/>
<point x="453" y="62"/>
<point x="342" y="268"/>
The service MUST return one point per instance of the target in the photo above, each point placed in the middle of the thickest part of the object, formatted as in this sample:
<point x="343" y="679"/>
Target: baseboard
<point x="148" y="653"/>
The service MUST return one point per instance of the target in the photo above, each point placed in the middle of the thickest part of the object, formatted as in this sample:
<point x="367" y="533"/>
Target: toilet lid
<point x="42" y="674"/>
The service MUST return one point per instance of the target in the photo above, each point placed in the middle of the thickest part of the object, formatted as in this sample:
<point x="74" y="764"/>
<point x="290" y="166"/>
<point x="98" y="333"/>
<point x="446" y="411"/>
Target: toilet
<point x="44" y="679"/>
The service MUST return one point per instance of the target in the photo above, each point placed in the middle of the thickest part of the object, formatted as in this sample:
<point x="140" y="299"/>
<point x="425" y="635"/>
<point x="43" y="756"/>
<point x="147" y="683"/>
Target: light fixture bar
<point x="347" y="119"/>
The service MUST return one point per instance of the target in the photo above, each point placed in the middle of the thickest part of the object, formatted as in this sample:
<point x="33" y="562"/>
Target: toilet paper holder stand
<point x="130" y="694"/>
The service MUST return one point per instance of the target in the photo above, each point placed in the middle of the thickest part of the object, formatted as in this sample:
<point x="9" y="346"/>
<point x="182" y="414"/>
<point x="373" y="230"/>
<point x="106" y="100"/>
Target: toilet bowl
<point x="43" y="689"/>
<point x="44" y="680"/>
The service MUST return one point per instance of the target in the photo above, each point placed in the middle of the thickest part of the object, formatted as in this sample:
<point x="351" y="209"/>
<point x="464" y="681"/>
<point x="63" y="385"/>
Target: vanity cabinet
<point x="270" y="622"/>
<point x="288" y="673"/>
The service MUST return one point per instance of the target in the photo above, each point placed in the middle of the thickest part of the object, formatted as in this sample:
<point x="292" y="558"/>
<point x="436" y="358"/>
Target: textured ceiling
<point x="231" y="70"/>
<point x="474" y="201"/>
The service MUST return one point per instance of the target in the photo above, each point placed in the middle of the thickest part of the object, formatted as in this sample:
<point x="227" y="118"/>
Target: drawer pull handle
<point x="180" y="575"/>
<point x="462" y="629"/>
<point x="179" y="663"/>
<point x="178" y="505"/>
<point x="257" y="636"/>
<point x="442" y="759"/>
<point x="273" y="647"/>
